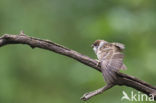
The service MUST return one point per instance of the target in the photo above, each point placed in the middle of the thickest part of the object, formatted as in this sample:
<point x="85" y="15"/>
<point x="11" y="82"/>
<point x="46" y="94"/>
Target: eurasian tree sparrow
<point x="110" y="58"/>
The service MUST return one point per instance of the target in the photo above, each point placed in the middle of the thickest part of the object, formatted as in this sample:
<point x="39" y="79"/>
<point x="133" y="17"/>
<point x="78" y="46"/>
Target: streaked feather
<point x="111" y="64"/>
<point x="119" y="45"/>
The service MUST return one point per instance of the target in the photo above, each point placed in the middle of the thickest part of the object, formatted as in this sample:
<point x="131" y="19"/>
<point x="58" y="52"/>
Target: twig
<point x="123" y="79"/>
<point x="87" y="96"/>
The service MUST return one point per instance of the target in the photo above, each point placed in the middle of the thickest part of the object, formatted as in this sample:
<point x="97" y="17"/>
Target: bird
<point x="110" y="59"/>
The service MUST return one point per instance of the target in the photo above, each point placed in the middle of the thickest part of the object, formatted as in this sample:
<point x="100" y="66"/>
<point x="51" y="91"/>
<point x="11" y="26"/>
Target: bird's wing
<point x="111" y="64"/>
<point x="114" y="63"/>
<point x="119" y="45"/>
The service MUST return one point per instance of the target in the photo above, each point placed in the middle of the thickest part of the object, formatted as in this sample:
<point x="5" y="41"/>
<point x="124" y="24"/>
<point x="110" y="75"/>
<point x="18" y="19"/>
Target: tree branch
<point x="87" y="96"/>
<point x="123" y="79"/>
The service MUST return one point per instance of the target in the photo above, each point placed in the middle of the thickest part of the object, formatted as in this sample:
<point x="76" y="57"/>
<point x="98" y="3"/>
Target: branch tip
<point x="22" y="33"/>
<point x="88" y="95"/>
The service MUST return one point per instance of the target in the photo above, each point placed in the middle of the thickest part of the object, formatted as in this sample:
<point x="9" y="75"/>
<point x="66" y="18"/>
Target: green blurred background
<point x="40" y="76"/>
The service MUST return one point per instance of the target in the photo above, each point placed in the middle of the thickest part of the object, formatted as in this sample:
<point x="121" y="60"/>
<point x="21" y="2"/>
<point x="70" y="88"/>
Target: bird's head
<point x="98" y="44"/>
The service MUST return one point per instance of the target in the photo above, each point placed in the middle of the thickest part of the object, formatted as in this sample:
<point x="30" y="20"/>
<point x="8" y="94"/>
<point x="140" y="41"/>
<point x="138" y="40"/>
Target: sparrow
<point x="110" y="58"/>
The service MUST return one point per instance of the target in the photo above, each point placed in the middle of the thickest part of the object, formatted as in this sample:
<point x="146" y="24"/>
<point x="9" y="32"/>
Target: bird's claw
<point x="98" y="63"/>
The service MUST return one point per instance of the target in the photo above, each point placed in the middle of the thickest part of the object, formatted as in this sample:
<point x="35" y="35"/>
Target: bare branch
<point x="123" y="79"/>
<point x="87" y="96"/>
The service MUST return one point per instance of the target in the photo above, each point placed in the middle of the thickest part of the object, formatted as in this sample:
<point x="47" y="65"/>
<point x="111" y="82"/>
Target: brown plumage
<point x="110" y="57"/>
